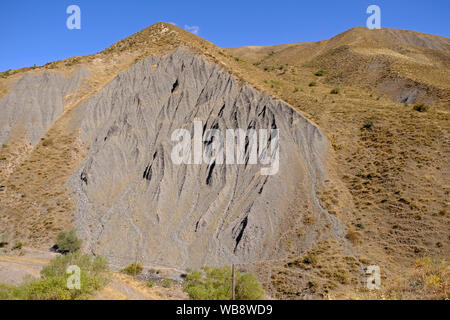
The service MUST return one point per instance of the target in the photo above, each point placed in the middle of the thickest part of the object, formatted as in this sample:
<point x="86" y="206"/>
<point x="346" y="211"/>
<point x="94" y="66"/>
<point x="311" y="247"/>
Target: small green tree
<point x="215" y="284"/>
<point x="67" y="241"/>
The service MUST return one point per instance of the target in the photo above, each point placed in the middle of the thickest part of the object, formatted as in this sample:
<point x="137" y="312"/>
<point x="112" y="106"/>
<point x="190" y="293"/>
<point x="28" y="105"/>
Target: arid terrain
<point x="364" y="121"/>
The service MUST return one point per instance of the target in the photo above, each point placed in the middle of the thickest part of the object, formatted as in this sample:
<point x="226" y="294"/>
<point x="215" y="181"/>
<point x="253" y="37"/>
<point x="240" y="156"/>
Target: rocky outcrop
<point x="135" y="202"/>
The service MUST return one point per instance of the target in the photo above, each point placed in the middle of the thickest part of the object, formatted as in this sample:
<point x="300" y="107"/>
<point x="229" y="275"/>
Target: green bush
<point x="167" y="283"/>
<point x="421" y="108"/>
<point x="150" y="284"/>
<point x="3" y="240"/>
<point x="67" y="241"/>
<point x="368" y="125"/>
<point x="319" y="73"/>
<point x="46" y="142"/>
<point x="53" y="282"/>
<point x="335" y="91"/>
<point x="133" y="269"/>
<point x="215" y="284"/>
<point x="17" y="246"/>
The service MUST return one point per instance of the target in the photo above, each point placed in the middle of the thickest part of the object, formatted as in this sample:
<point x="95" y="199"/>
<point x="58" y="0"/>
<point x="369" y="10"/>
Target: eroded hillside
<point x="368" y="185"/>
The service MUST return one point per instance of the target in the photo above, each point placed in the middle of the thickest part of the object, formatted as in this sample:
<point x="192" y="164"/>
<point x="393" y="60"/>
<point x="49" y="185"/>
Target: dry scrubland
<point x="382" y="99"/>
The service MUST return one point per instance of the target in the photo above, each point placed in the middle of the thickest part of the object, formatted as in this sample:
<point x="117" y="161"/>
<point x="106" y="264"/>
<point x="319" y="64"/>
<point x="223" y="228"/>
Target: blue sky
<point x="35" y="32"/>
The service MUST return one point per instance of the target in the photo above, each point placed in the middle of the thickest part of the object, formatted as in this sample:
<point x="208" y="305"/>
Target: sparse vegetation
<point x="6" y="74"/>
<point x="215" y="284"/>
<point x="313" y="84"/>
<point x="150" y="284"/>
<point x="309" y="259"/>
<point x="68" y="242"/>
<point x="53" y="282"/>
<point x="421" y="108"/>
<point x="46" y="142"/>
<point x="427" y="279"/>
<point x="167" y="283"/>
<point x="335" y="91"/>
<point x="319" y="73"/>
<point x="17" y="246"/>
<point x="353" y="236"/>
<point x="368" y="125"/>
<point x="133" y="269"/>
<point x="3" y="240"/>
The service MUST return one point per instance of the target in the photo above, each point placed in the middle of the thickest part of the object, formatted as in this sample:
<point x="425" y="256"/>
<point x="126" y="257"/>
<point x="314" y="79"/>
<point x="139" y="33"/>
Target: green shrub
<point x="249" y="288"/>
<point x="421" y="108"/>
<point x="167" y="283"/>
<point x="46" y="142"/>
<point x="133" y="269"/>
<point x="215" y="284"/>
<point x="67" y="241"/>
<point x="150" y="284"/>
<point x="309" y="259"/>
<point x="4" y="240"/>
<point x="53" y="282"/>
<point x="368" y="125"/>
<point x="313" y="84"/>
<point x="335" y="91"/>
<point x="17" y="246"/>
<point x="319" y="73"/>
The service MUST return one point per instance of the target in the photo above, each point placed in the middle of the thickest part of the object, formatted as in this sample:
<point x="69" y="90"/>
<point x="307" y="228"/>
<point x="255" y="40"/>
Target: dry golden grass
<point x="427" y="279"/>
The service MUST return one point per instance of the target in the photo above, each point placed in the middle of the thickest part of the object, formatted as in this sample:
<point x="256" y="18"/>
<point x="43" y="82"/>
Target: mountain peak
<point x="161" y="34"/>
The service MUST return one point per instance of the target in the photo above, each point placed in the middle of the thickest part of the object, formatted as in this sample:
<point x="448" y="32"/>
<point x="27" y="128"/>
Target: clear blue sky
<point x="35" y="32"/>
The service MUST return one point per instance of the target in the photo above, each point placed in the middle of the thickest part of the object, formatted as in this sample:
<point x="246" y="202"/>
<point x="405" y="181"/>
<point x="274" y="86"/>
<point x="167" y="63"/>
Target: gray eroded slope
<point x="134" y="201"/>
<point x="35" y="102"/>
